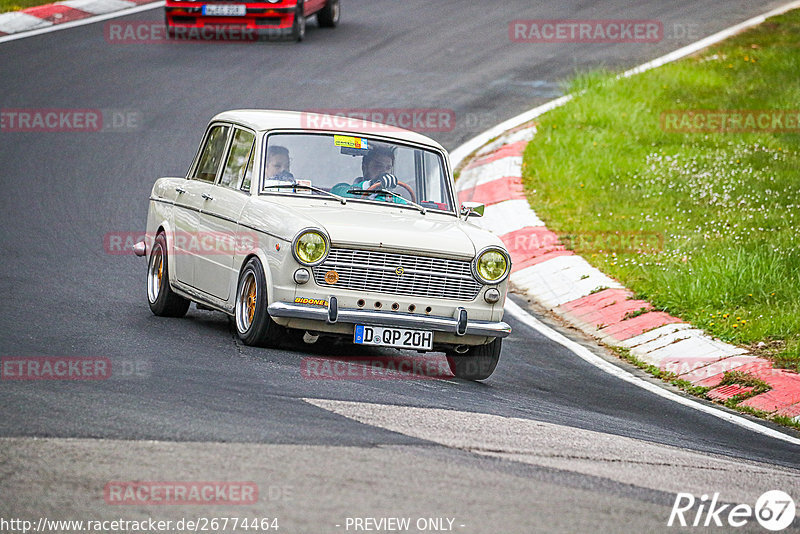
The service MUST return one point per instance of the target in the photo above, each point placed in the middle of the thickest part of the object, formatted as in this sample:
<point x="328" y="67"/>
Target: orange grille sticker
<point x="331" y="277"/>
<point x="313" y="302"/>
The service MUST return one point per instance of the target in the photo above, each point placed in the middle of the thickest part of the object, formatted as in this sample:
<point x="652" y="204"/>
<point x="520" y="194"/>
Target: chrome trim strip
<point x="253" y="228"/>
<point x="165" y="201"/>
<point x="399" y="320"/>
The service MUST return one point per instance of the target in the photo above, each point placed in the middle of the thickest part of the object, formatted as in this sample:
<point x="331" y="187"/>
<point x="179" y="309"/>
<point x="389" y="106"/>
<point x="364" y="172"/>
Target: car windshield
<point x="360" y="169"/>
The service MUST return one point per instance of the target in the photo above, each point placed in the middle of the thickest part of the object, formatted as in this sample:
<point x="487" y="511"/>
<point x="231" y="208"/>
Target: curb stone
<point x="568" y="286"/>
<point x="38" y="17"/>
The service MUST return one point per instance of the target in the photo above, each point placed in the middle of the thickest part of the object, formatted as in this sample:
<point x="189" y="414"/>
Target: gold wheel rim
<point x="251" y="303"/>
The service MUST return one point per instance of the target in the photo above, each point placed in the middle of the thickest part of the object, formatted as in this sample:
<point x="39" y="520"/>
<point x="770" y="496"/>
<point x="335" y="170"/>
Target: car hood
<point x="393" y="229"/>
<point x="370" y="226"/>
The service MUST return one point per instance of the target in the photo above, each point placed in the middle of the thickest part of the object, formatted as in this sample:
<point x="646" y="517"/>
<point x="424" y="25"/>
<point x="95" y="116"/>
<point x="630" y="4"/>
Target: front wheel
<point x="163" y="301"/>
<point x="478" y="363"/>
<point x="253" y="323"/>
<point x="328" y="17"/>
<point x="299" y="24"/>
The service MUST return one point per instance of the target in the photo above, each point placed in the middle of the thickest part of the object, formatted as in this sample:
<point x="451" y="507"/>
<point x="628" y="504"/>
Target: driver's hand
<point x="387" y="181"/>
<point x="285" y="176"/>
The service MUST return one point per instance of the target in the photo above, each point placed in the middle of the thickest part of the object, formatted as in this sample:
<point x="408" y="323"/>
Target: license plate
<point x="229" y="10"/>
<point x="382" y="336"/>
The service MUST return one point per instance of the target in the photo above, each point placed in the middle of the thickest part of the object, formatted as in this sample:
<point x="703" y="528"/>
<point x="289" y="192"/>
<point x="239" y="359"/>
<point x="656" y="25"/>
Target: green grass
<point x="727" y="205"/>
<point x="16" y="5"/>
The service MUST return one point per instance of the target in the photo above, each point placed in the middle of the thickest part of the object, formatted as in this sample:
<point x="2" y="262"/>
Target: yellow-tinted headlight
<point x="492" y="265"/>
<point x="310" y="247"/>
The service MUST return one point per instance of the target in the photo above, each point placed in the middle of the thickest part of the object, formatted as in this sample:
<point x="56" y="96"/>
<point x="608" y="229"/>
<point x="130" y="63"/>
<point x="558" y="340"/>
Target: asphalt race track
<point x="548" y="443"/>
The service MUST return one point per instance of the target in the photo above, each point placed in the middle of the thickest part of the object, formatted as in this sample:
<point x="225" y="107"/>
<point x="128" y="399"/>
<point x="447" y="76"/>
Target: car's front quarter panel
<point x="271" y="227"/>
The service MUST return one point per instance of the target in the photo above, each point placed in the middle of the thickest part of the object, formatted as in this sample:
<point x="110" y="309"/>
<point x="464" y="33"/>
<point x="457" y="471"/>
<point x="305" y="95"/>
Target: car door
<point x="190" y="201"/>
<point x="214" y="271"/>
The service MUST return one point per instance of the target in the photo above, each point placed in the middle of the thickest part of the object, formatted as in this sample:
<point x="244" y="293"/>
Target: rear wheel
<point x="299" y="24"/>
<point x="478" y="363"/>
<point x="328" y="17"/>
<point x="253" y="323"/>
<point x="163" y="301"/>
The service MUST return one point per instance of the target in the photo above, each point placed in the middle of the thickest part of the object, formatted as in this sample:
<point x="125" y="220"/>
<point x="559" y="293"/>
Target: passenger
<point x="278" y="164"/>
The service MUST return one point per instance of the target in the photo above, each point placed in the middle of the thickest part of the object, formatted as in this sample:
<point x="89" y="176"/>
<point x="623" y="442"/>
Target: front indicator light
<point x="301" y="276"/>
<point x="492" y="295"/>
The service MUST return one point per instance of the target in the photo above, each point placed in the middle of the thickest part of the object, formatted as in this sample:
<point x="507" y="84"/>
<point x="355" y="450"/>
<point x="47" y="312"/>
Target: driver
<point x="377" y="168"/>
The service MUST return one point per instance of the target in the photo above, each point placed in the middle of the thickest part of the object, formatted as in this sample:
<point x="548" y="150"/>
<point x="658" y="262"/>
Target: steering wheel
<point x="401" y="184"/>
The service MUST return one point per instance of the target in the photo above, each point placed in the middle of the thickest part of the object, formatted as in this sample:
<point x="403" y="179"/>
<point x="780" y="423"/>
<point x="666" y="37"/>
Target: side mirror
<point x="472" y="208"/>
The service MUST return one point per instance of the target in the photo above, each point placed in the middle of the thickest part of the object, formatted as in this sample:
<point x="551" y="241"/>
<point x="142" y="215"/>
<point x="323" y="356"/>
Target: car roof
<point x="267" y="119"/>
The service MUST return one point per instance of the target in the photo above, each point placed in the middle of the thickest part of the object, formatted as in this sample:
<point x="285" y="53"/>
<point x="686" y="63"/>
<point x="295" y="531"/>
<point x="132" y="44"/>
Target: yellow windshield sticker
<point x="350" y="142"/>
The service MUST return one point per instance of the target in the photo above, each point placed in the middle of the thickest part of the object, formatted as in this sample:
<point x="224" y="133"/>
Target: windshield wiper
<point x="386" y="192"/>
<point x="310" y="187"/>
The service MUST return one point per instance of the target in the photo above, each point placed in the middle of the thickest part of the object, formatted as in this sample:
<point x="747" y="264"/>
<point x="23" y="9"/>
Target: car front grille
<point x="421" y="276"/>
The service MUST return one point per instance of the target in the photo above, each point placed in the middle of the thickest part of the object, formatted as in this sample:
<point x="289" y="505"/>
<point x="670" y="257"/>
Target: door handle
<point x="180" y="190"/>
<point x="207" y="196"/>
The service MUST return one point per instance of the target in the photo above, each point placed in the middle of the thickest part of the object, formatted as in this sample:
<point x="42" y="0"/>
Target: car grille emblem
<point x="331" y="277"/>
<point x="399" y="271"/>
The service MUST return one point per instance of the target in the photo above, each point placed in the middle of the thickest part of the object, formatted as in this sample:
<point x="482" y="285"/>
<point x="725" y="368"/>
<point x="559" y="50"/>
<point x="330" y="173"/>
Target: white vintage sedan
<point x="301" y="229"/>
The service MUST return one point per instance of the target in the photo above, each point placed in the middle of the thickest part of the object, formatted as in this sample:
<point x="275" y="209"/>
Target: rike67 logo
<point x="774" y="510"/>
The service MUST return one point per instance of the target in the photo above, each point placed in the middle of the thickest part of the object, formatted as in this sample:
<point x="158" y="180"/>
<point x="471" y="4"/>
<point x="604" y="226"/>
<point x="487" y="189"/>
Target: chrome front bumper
<point x="458" y="325"/>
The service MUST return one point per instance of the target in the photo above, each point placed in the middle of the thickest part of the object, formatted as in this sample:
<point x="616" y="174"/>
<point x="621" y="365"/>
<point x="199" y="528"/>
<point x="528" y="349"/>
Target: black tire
<point x="163" y="301"/>
<point x="253" y="323"/>
<point x="328" y="16"/>
<point x="478" y="363"/>
<point x="299" y="24"/>
<point x="170" y="30"/>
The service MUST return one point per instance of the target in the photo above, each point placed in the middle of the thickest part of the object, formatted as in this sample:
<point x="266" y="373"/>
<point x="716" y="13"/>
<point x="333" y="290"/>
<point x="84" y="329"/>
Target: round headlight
<point x="310" y="247"/>
<point x="491" y="266"/>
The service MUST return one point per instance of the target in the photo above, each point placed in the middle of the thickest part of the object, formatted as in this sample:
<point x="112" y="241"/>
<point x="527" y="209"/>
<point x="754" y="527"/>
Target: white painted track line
<point x="590" y="357"/>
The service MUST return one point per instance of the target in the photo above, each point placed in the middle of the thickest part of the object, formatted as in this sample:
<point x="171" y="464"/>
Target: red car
<point x="247" y="19"/>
